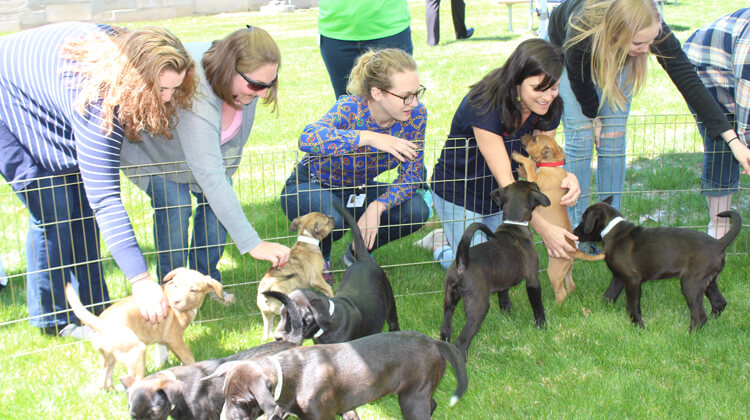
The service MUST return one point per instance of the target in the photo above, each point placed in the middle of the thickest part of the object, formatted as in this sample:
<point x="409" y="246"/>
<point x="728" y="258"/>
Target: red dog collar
<point x="550" y="164"/>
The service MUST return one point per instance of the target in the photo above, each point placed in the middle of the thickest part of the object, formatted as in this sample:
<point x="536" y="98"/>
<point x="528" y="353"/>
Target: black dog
<point x="495" y="266"/>
<point x="179" y="391"/>
<point x="635" y="254"/>
<point x="321" y="381"/>
<point x="360" y="307"/>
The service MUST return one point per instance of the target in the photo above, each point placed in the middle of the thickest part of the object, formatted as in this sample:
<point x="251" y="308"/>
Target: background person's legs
<point x="208" y="239"/>
<point x="172" y="211"/>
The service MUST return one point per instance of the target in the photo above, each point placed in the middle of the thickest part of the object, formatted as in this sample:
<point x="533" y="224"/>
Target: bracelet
<point x="142" y="276"/>
<point x="736" y="138"/>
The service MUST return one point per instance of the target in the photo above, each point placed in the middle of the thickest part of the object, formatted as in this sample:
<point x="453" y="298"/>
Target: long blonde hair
<point x="374" y="68"/>
<point x="611" y="26"/>
<point x="121" y="69"/>
<point x="244" y="50"/>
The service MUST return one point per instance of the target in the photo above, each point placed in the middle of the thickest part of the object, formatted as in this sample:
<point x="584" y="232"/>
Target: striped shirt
<point x="37" y="105"/>
<point x="720" y="52"/>
<point x="336" y="159"/>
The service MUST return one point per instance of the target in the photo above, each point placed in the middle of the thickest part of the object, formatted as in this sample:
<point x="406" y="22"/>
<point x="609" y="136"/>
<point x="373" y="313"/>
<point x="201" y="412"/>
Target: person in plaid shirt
<point x="379" y="127"/>
<point x="720" y="52"/>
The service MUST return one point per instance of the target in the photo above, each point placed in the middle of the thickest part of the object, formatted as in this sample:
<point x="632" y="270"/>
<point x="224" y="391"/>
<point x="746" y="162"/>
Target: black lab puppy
<point x="360" y="307"/>
<point x="635" y="254"/>
<point x="179" y="391"/>
<point x="508" y="257"/>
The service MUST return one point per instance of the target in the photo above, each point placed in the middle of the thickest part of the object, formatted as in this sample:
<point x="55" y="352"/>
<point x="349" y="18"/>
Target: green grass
<point x="589" y="361"/>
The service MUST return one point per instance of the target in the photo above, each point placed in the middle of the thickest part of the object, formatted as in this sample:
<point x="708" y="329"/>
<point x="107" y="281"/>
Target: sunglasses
<point x="258" y="86"/>
<point x="409" y="97"/>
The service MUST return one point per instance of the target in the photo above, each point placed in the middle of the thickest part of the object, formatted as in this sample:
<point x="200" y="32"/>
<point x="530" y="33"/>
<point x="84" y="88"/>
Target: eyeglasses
<point x="409" y="97"/>
<point x="257" y="86"/>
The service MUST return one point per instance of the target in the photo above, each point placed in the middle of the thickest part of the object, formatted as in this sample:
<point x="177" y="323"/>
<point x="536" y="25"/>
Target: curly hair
<point x="244" y="50"/>
<point x="119" y="71"/>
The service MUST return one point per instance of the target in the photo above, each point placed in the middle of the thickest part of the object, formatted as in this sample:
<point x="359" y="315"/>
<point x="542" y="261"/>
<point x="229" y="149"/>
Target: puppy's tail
<point x="359" y="242"/>
<point x="295" y="316"/>
<point x="454" y="357"/>
<point x="462" y="251"/>
<point x="81" y="312"/>
<point x="730" y="236"/>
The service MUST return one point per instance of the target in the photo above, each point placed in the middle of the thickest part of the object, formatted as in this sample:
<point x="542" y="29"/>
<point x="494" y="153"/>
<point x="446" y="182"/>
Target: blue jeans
<point x="455" y="219"/>
<point x="62" y="247"/>
<point x="339" y="56"/>
<point x="301" y="195"/>
<point x="579" y="142"/>
<point x="721" y="171"/>
<point x="172" y="211"/>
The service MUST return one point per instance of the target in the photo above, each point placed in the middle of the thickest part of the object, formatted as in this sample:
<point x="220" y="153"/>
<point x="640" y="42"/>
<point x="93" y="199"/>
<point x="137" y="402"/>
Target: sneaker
<point x="349" y="258"/>
<point x="162" y="354"/>
<point x="589" y="248"/>
<point x="433" y="240"/>
<point x="70" y="330"/>
<point x="327" y="274"/>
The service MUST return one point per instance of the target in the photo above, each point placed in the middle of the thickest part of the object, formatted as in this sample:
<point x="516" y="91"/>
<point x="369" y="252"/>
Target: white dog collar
<point x="280" y="381"/>
<point x="610" y="225"/>
<point x="513" y="222"/>
<point x="330" y="313"/>
<point x="307" y="239"/>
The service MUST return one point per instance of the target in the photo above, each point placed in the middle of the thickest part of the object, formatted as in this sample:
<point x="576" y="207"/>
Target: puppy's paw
<point x="518" y="157"/>
<point x="228" y="298"/>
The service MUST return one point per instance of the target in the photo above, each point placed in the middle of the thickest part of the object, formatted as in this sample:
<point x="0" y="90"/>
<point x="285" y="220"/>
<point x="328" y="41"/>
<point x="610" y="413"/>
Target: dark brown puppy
<point x="179" y="391"/>
<point x="635" y="254"/>
<point x="508" y="257"/>
<point x="360" y="307"/>
<point x="318" y="382"/>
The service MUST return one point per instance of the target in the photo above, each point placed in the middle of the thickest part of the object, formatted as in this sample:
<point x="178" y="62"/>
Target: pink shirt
<point x="234" y="128"/>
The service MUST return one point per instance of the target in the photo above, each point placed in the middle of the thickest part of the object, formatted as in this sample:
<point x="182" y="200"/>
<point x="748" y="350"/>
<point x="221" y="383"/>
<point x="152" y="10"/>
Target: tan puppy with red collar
<point x="304" y="269"/>
<point x="545" y="167"/>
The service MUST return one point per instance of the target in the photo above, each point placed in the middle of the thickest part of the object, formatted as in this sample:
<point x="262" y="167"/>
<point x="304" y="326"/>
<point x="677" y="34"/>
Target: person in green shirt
<point x="349" y="28"/>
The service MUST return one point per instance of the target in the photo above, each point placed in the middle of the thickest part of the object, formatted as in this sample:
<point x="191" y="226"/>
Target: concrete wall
<point x="21" y="14"/>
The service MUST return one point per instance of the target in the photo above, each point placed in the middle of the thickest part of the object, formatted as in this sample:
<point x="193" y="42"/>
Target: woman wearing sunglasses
<point x="379" y="127"/>
<point x="204" y="153"/>
<point x="516" y="99"/>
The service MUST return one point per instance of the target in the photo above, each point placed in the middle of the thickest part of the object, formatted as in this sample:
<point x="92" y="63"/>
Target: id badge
<point x="356" y="200"/>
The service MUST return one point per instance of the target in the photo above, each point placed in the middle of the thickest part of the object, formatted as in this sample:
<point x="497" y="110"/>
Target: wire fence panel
<point x="663" y="159"/>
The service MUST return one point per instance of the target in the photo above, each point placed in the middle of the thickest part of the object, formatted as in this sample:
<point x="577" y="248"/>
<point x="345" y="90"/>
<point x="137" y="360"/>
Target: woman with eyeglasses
<point x="205" y="152"/>
<point x="69" y="93"/>
<point x="513" y="100"/>
<point x="380" y="126"/>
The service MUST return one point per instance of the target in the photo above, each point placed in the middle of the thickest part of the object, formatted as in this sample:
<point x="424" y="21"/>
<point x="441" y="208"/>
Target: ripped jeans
<point x="579" y="145"/>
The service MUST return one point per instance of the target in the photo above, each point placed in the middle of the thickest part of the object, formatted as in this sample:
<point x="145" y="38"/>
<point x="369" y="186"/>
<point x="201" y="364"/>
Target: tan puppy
<point x="304" y="269"/>
<point x="546" y="169"/>
<point x="122" y="334"/>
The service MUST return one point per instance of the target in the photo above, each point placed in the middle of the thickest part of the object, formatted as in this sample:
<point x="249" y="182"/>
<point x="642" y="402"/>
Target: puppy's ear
<point x="498" y="197"/>
<point x="223" y="369"/>
<point x="539" y="199"/>
<point x="260" y="388"/>
<point x="548" y="153"/>
<point x="172" y="389"/>
<point x="589" y="220"/>
<point x="127" y="381"/>
<point x="217" y="288"/>
<point x="172" y="274"/>
<point x="608" y="200"/>
<point x="320" y="306"/>
<point x="295" y="225"/>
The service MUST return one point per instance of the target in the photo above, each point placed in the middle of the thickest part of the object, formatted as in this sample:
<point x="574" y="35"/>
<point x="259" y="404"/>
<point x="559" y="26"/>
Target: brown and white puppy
<point x="122" y="334"/>
<point x="508" y="257"/>
<point x="545" y="167"/>
<point x="179" y="391"/>
<point x="361" y="306"/>
<point x="325" y="380"/>
<point x="635" y="254"/>
<point x="304" y="269"/>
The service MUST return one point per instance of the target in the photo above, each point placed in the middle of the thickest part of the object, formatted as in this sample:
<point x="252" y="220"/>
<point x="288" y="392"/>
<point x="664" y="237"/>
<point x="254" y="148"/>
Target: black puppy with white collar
<point x="179" y="391"/>
<point x="361" y="306"/>
<point x="635" y="254"/>
<point x="508" y="257"/>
